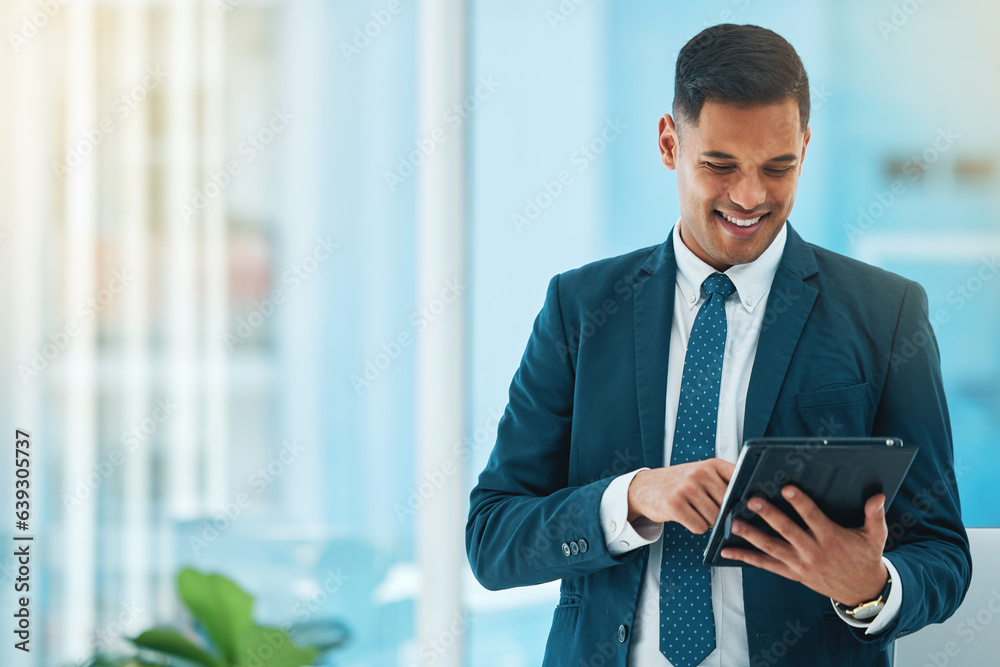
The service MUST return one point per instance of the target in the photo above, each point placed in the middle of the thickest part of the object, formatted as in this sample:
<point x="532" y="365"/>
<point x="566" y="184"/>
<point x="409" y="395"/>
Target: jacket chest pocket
<point x="834" y="413"/>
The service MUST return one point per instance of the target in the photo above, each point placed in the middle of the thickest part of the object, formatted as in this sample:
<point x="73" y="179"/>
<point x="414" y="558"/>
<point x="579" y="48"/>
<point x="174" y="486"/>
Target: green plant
<point x="225" y="611"/>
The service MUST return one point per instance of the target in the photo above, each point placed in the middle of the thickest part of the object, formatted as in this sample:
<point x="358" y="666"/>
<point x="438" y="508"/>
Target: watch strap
<point x="866" y="610"/>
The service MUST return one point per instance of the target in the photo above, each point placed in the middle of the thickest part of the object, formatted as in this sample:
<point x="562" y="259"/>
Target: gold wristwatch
<point x="870" y="609"/>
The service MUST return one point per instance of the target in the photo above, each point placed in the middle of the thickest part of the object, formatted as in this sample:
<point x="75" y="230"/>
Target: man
<point x="645" y="372"/>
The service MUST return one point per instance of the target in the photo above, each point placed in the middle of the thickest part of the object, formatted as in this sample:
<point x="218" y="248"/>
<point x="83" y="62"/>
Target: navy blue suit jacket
<point x="845" y="349"/>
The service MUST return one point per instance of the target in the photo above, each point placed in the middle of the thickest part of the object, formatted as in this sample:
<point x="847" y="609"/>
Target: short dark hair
<point x="742" y="65"/>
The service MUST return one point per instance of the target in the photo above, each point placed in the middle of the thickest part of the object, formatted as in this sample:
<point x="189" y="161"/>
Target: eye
<point x="779" y="172"/>
<point x="721" y="168"/>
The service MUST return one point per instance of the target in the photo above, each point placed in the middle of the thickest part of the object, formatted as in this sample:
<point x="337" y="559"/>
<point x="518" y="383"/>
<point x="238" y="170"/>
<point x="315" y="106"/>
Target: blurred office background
<point x="248" y="246"/>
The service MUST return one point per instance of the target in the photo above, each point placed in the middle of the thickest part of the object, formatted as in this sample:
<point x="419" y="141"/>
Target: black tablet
<point x="839" y="474"/>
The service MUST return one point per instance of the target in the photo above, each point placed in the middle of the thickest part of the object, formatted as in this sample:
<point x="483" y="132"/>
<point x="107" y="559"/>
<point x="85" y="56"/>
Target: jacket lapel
<point x="654" y="312"/>
<point x="788" y="306"/>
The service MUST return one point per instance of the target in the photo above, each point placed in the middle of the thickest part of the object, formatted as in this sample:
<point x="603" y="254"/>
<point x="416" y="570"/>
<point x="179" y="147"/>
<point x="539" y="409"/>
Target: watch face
<point x="868" y="612"/>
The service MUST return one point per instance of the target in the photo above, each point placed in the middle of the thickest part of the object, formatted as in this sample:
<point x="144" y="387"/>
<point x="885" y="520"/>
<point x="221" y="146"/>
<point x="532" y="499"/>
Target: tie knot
<point x="718" y="283"/>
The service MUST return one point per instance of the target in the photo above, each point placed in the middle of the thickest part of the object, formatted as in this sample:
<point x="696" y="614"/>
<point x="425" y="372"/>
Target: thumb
<point x="875" y="511"/>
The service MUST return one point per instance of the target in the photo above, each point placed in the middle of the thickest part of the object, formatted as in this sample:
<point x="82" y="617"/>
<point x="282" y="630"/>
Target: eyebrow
<point x="787" y="157"/>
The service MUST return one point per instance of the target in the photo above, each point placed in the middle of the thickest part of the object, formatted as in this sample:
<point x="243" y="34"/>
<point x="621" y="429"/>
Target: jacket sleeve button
<point x="583" y="546"/>
<point x="565" y="548"/>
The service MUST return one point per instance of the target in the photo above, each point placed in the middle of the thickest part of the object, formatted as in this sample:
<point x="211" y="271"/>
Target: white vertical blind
<point x="79" y="452"/>
<point x="441" y="395"/>
<point x="213" y="221"/>
<point x="133" y="57"/>
<point x="183" y="474"/>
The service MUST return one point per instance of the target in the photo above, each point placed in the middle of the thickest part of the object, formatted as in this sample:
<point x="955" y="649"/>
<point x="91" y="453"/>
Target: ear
<point x="805" y="142"/>
<point x="669" y="142"/>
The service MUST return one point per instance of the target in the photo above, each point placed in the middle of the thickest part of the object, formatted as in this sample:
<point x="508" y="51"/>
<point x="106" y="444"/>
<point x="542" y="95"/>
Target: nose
<point x="748" y="191"/>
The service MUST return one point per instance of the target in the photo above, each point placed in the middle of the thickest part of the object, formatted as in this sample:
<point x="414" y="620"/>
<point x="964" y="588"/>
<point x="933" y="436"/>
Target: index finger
<point x="811" y="514"/>
<point x="724" y="469"/>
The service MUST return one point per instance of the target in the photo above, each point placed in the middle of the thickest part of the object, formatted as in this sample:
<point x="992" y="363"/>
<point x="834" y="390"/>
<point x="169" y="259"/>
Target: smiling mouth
<point x="743" y="223"/>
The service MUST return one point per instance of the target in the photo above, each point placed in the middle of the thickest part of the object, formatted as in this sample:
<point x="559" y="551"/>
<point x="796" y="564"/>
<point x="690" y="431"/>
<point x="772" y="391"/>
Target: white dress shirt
<point x="744" y="316"/>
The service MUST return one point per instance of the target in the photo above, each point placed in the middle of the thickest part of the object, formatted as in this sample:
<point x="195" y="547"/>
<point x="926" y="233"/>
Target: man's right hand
<point x="688" y="493"/>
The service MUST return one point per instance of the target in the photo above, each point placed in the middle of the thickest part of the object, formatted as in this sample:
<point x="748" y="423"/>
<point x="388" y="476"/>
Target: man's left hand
<point x="842" y="563"/>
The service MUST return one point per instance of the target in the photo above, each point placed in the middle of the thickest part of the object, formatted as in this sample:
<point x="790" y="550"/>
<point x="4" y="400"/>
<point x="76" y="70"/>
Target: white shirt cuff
<point x="889" y="611"/>
<point x="620" y="535"/>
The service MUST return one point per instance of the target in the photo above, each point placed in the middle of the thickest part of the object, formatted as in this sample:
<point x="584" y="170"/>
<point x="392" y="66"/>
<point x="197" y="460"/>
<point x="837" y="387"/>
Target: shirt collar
<point x="752" y="281"/>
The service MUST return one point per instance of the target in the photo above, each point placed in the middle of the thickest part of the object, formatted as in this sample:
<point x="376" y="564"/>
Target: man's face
<point x="739" y="164"/>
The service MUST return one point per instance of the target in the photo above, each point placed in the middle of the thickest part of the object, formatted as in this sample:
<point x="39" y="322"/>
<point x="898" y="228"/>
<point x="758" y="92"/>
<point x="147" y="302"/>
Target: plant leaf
<point x="222" y="607"/>
<point x="171" y="642"/>
<point x="272" y="647"/>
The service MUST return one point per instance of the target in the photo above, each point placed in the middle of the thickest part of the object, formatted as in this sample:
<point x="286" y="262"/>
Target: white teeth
<point x="742" y="223"/>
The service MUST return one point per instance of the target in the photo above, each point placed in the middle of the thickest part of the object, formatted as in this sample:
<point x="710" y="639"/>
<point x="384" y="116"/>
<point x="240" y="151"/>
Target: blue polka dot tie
<point x="687" y="625"/>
